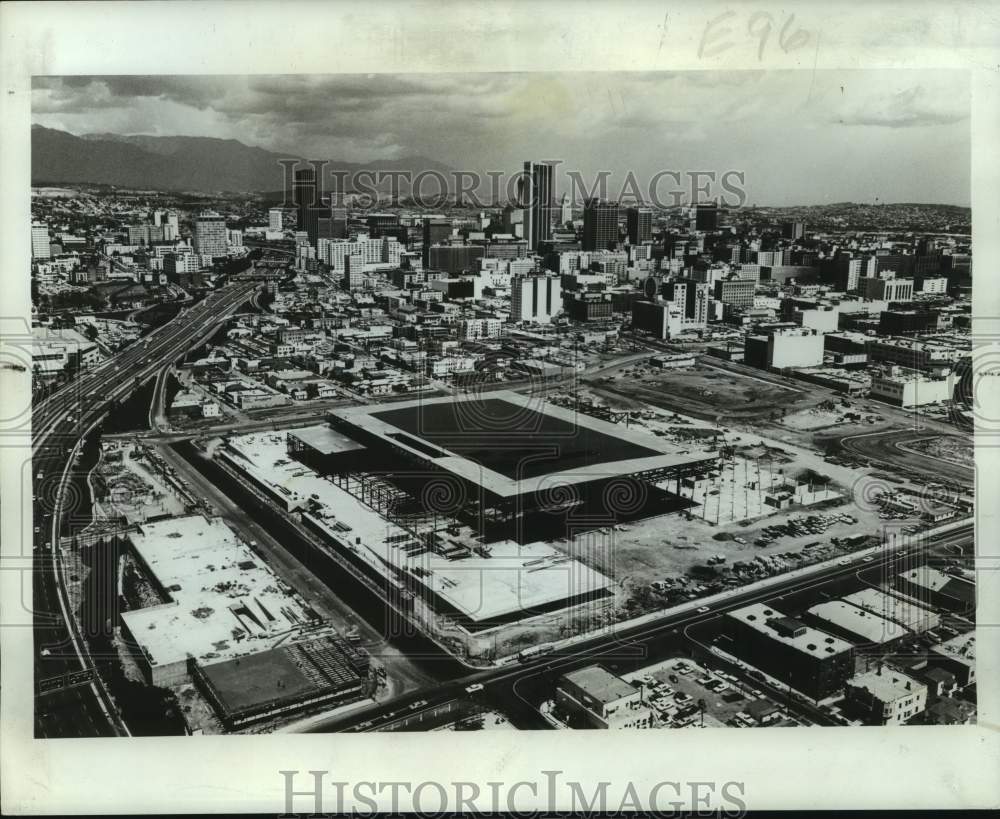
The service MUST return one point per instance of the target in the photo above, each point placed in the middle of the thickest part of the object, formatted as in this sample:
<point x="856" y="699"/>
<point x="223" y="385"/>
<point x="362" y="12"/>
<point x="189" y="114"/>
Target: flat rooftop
<point x="325" y="440"/>
<point x="935" y="580"/>
<point x="293" y="671"/>
<point x="886" y="685"/>
<point x="513" y="578"/>
<point x="224" y="601"/>
<point x="600" y="684"/>
<point x="868" y="626"/>
<point x="808" y="640"/>
<point x="893" y="607"/>
<point x="510" y="443"/>
<point x="961" y="648"/>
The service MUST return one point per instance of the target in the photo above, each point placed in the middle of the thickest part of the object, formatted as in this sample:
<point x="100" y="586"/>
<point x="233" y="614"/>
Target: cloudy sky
<point x="801" y="137"/>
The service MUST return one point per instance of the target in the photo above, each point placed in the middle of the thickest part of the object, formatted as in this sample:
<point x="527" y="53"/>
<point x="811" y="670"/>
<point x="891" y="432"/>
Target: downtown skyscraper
<point x="538" y="200"/>
<point x="600" y="224"/>
<point x="305" y="195"/>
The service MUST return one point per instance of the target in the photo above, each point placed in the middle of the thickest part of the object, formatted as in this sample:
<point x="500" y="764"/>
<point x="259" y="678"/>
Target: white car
<point x="703" y="609"/>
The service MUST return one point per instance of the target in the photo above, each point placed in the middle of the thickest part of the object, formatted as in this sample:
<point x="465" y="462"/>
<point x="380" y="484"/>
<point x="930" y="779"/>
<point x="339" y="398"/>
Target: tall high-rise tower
<point x="538" y="199"/>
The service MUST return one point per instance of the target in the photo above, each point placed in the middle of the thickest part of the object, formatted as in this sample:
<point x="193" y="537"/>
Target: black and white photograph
<point x="426" y="403"/>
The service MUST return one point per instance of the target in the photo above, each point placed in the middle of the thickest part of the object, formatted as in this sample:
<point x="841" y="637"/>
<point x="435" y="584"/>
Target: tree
<point x="702" y="707"/>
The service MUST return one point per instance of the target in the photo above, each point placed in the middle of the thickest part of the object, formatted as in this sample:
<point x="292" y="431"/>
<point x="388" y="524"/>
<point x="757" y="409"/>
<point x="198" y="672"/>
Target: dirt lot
<point x="952" y="448"/>
<point x="640" y="553"/>
<point x="704" y="392"/>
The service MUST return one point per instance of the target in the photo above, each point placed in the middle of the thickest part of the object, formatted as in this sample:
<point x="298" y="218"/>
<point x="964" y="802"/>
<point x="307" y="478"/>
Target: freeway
<point x="60" y="424"/>
<point x="504" y="685"/>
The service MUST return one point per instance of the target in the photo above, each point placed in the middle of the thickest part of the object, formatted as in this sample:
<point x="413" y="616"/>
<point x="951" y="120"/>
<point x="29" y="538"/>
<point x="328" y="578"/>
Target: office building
<point x="538" y="200"/>
<point x="176" y="264"/>
<point x="639" y="223"/>
<point x="382" y="224"/>
<point x="773" y="258"/>
<point x="903" y="322"/>
<point x="171" y="227"/>
<point x="338" y="216"/>
<point x="535" y="298"/>
<point x="600" y="225"/>
<point x="308" y="209"/>
<point x="210" y="234"/>
<point x="436" y="229"/>
<point x="807" y="659"/>
<point x="588" y="306"/>
<point x="897" y="265"/>
<point x="566" y="213"/>
<point x="932" y="285"/>
<point x="793" y="230"/>
<point x="691" y="297"/>
<point x="454" y="259"/>
<point x="888" y="289"/>
<point x="736" y="292"/>
<point x="275" y="219"/>
<point x="476" y="329"/>
<point x="40" y="247"/>
<point x="705" y="217"/>
<point x="368" y="254"/>
<point x="661" y="319"/>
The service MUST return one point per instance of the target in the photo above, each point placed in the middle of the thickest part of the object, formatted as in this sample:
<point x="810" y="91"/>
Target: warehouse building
<point x="895" y="607"/>
<point x="809" y="660"/>
<point x="230" y="625"/>
<point x="861" y="626"/>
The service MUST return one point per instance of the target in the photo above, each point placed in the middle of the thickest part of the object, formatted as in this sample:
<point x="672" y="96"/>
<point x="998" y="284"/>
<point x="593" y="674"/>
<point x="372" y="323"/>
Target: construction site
<point x="496" y="525"/>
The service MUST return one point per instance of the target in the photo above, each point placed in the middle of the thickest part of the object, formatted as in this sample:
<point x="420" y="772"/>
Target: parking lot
<point x="675" y="687"/>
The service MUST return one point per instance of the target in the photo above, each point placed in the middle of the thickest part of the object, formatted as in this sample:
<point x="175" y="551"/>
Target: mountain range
<point x="176" y="163"/>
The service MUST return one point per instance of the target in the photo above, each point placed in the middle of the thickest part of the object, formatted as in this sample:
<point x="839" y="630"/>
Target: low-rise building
<point x="55" y="350"/>
<point x="958" y="655"/>
<point x="910" y="388"/>
<point x="933" y="587"/>
<point x="784" y="347"/>
<point x="895" y="607"/>
<point x="860" y="626"/>
<point x="885" y="696"/>
<point x="600" y="699"/>
<point x="809" y="660"/>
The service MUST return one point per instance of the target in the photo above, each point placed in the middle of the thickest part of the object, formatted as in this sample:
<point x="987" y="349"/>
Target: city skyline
<point x="903" y="135"/>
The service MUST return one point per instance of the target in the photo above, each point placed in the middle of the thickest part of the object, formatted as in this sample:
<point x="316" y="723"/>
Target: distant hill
<point x="175" y="163"/>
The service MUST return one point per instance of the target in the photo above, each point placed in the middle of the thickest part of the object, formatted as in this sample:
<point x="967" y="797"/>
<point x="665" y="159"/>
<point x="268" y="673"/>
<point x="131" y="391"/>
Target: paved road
<point x="505" y="686"/>
<point x="890" y="448"/>
<point x="59" y="424"/>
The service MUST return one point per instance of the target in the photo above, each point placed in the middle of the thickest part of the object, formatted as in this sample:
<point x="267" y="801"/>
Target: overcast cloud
<point x="801" y="137"/>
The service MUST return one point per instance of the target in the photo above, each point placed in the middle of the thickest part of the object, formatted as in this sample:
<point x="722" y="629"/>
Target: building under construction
<point x="509" y="461"/>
